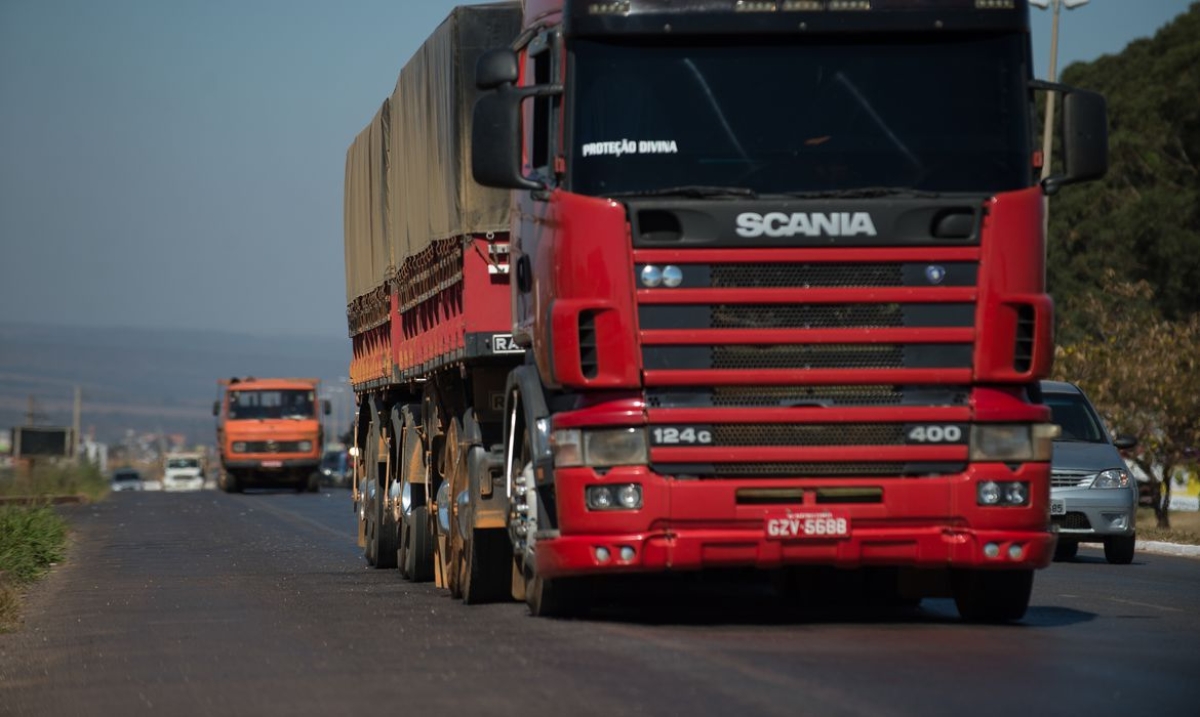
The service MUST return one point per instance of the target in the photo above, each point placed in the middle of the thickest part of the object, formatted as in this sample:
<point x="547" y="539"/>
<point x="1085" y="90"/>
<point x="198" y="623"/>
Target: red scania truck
<point x="756" y="284"/>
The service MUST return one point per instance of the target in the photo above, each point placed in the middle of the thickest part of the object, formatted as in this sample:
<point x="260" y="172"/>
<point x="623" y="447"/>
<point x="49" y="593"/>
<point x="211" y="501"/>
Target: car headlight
<point x="604" y="447"/>
<point x="239" y="447"/>
<point x="1012" y="441"/>
<point x="1113" y="478"/>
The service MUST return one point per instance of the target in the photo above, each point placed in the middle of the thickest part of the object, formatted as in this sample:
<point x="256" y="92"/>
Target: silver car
<point x="1093" y="497"/>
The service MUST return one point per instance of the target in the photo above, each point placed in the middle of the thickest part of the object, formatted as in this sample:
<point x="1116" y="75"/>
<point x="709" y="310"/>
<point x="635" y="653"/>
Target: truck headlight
<point x="1112" y="478"/>
<point x="1012" y="442"/>
<point x="238" y="447"/>
<point x="603" y="447"/>
<point x="304" y="446"/>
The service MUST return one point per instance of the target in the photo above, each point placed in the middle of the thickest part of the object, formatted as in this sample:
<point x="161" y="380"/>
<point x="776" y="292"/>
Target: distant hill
<point x="146" y="380"/>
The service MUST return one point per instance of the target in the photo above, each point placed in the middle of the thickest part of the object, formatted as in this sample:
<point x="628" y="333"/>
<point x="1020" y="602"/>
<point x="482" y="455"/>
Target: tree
<point x="1142" y="221"/>
<point x="1141" y="372"/>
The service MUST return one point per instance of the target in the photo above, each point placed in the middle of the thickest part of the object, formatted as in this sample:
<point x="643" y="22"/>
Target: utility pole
<point x="76" y="416"/>
<point x="1048" y="127"/>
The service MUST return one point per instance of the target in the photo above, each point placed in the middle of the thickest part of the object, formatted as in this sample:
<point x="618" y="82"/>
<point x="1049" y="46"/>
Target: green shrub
<point x="31" y="540"/>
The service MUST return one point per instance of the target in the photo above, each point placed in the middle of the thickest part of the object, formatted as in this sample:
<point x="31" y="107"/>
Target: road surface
<point x="260" y="604"/>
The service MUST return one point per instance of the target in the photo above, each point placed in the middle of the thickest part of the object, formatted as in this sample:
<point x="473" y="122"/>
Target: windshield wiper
<point x="863" y="193"/>
<point x="697" y="191"/>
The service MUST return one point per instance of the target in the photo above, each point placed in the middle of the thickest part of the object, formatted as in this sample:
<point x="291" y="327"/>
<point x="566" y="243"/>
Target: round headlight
<point x="652" y="276"/>
<point x="989" y="493"/>
<point x="1016" y="493"/>
<point x="304" y="446"/>
<point x="599" y="497"/>
<point x="672" y="276"/>
<point x="630" y="496"/>
<point x="239" y="447"/>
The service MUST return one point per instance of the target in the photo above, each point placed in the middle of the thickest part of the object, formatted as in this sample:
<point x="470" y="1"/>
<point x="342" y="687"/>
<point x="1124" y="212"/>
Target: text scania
<point x="778" y="224"/>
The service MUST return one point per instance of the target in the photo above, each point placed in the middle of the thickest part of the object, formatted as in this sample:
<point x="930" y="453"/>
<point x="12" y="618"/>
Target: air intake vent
<point x="1023" y="351"/>
<point x="587" y="344"/>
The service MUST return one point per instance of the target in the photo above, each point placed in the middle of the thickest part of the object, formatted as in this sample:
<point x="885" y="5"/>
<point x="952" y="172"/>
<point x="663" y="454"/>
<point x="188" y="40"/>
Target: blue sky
<point x="179" y="163"/>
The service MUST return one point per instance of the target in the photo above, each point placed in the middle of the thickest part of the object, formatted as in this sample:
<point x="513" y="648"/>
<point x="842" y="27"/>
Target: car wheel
<point x="1118" y="550"/>
<point x="992" y="595"/>
<point x="1065" y="550"/>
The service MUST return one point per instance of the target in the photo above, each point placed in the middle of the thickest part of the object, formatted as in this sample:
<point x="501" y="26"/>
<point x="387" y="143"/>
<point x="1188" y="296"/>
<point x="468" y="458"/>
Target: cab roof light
<point x="621" y="7"/>
<point x="849" y="5"/>
<point x="755" y="6"/>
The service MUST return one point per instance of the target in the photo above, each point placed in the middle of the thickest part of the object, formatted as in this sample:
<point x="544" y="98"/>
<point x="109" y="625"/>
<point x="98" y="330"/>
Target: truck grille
<point x="760" y="336"/>
<point x="273" y="447"/>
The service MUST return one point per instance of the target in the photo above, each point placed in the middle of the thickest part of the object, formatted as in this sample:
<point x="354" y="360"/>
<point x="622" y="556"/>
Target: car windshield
<point x="1075" y="415"/>
<point x="942" y="113"/>
<point x="126" y="477"/>
<point x="295" y="403"/>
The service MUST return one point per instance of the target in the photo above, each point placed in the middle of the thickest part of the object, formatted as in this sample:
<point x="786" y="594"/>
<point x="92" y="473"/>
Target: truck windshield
<point x="271" y="404"/>
<point x="944" y="113"/>
<point x="183" y="463"/>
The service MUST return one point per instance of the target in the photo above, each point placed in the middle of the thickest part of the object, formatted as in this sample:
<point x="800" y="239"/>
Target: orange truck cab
<point x="269" y="433"/>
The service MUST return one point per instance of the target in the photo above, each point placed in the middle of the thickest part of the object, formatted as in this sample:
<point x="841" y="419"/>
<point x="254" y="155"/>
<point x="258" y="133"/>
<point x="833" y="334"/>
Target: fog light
<point x="602" y="555"/>
<point x="599" y="497"/>
<point x="991" y="550"/>
<point x="1117" y="521"/>
<point x="989" y="494"/>
<point x="1015" y="552"/>
<point x="627" y="553"/>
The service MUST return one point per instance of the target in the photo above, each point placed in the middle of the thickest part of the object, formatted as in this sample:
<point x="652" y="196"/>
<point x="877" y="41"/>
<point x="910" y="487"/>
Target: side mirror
<point x="1125" y="443"/>
<point x="495" y="68"/>
<point x="1085" y="139"/>
<point x="325" y="406"/>
<point x="496" y="122"/>
<point x="496" y="141"/>
<point x="216" y="408"/>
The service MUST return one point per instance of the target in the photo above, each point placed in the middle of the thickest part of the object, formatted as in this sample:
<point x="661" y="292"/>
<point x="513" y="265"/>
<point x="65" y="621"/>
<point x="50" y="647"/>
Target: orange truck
<point x="269" y="433"/>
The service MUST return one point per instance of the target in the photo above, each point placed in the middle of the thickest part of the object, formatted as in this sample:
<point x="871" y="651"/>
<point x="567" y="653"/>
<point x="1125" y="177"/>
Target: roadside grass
<point x="1185" y="527"/>
<point x="31" y="541"/>
<point x="51" y="480"/>
<point x="32" y="535"/>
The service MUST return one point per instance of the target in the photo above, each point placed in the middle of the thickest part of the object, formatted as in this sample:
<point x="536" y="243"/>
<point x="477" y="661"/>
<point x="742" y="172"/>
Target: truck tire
<point x="992" y="595"/>
<point x="486" y="567"/>
<point x="1119" y="549"/>
<point x="418" y="547"/>
<point x="415" y="555"/>
<point x="229" y="483"/>
<point x="560" y="597"/>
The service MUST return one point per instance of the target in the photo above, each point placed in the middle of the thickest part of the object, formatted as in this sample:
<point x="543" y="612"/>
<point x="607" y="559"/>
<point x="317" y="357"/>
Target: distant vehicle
<point x="183" y="471"/>
<point x="269" y="433"/>
<point x="335" y="467"/>
<point x="126" y="479"/>
<point x="1093" y="496"/>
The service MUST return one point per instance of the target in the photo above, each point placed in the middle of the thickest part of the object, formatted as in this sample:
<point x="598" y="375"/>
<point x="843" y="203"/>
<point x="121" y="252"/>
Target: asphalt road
<point x="212" y="604"/>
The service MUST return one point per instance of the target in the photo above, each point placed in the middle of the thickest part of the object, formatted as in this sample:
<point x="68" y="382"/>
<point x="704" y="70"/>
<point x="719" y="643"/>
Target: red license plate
<point x="272" y="464"/>
<point x="807" y="525"/>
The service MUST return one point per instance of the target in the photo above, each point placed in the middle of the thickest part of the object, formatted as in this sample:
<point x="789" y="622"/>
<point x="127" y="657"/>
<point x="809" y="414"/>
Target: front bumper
<point x="1096" y="513"/>
<point x="696" y="524"/>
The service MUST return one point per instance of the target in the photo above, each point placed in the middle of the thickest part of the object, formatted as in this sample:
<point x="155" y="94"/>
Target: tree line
<point x="1124" y="253"/>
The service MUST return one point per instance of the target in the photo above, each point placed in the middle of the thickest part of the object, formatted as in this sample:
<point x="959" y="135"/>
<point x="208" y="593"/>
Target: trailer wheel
<point x="992" y="595"/>
<point x="418" y="566"/>
<point x="389" y="528"/>
<point x="415" y="551"/>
